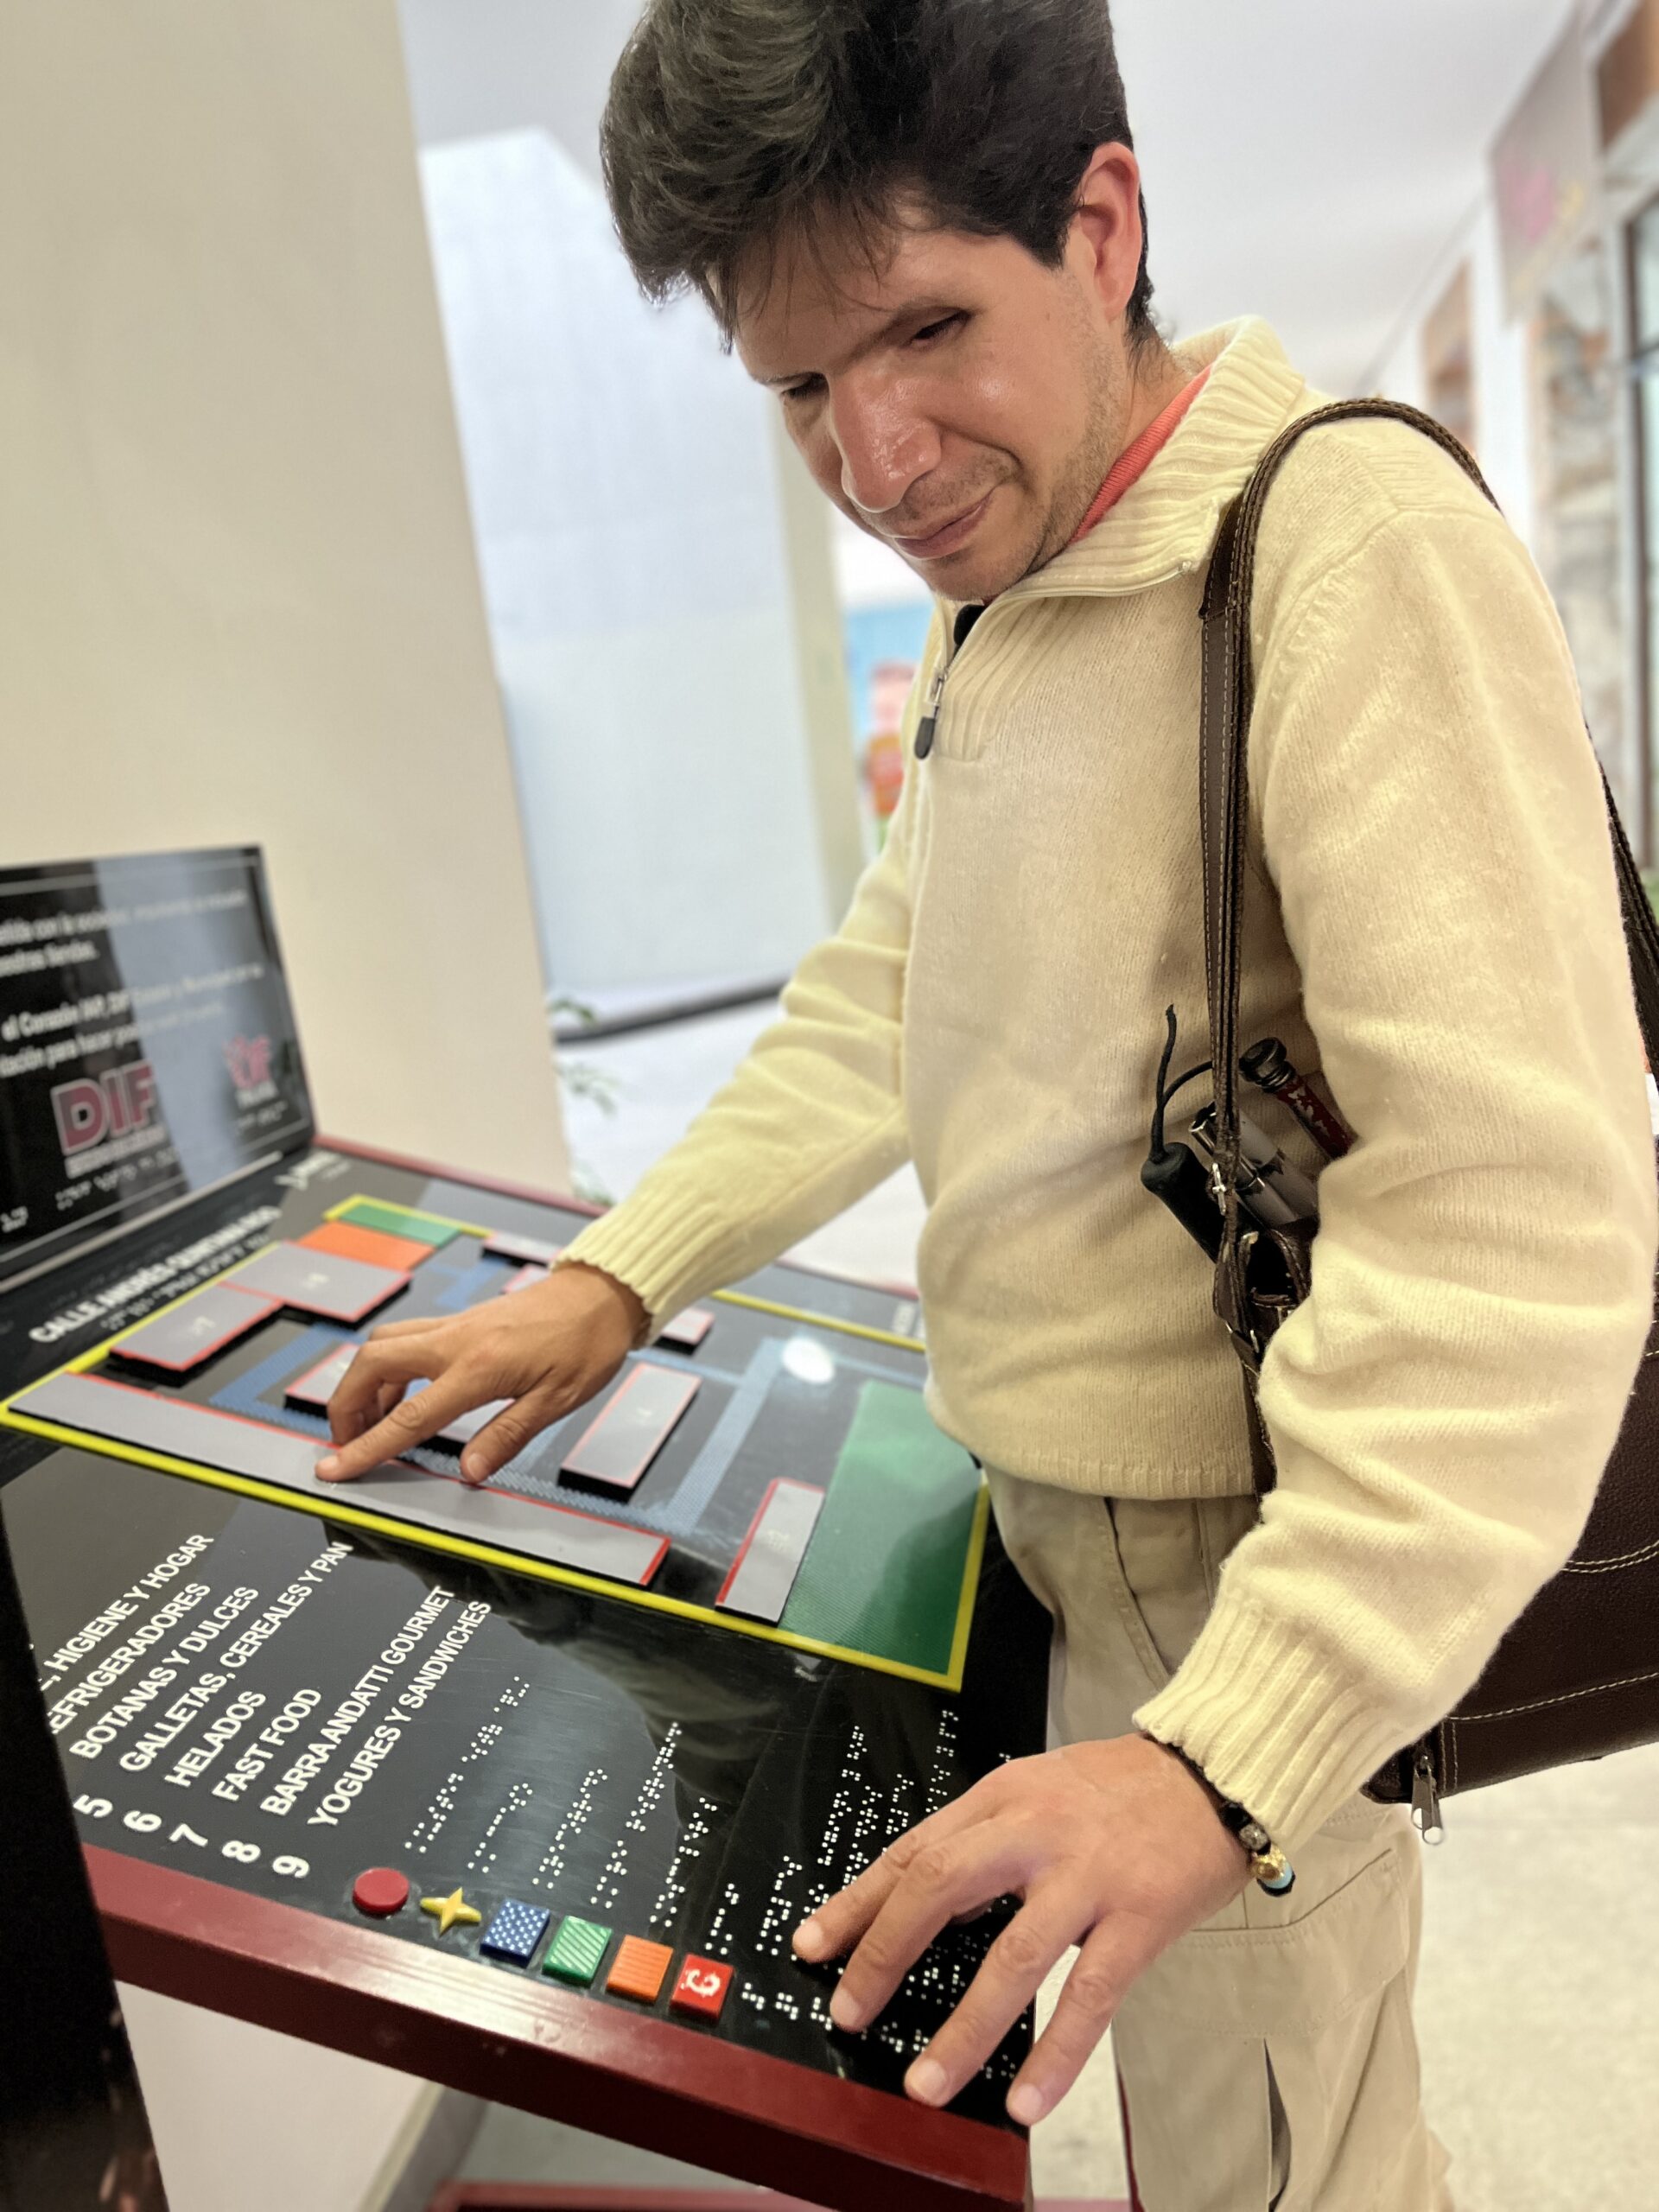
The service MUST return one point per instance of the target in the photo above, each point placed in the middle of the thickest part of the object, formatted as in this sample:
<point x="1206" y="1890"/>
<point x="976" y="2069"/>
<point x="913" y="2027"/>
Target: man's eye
<point x="804" y="390"/>
<point x="930" y="330"/>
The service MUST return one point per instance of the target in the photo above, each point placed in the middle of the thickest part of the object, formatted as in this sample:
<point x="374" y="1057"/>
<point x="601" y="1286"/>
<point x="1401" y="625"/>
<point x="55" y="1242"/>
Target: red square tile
<point x="701" y="1989"/>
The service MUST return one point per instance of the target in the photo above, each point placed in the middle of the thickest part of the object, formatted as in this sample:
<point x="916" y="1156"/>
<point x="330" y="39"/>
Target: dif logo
<point x="248" y="1060"/>
<point x="89" y="1113"/>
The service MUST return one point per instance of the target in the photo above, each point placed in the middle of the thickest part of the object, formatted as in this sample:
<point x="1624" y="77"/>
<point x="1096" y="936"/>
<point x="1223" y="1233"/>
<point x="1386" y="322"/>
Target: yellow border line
<point x="406" y="1532"/>
<point x="820" y="1321"/>
<point x="487" y="1555"/>
<point x="967" y="1596"/>
<point x="799" y="1313"/>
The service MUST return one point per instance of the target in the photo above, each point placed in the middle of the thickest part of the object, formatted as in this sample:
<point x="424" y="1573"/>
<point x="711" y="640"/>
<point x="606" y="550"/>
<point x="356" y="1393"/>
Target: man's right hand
<point x="548" y="1349"/>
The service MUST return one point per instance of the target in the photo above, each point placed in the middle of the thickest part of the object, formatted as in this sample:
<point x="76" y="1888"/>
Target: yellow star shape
<point x="448" y="1910"/>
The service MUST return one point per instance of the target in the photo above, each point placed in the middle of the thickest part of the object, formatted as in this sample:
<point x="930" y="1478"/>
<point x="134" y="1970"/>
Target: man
<point x="920" y="222"/>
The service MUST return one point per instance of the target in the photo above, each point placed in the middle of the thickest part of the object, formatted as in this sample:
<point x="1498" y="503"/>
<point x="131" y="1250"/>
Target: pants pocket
<point x="1165" y="1561"/>
<point x="1274" y="2064"/>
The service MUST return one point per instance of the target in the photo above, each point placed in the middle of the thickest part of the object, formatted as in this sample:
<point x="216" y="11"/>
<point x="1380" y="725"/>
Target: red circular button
<point x="380" y="1892"/>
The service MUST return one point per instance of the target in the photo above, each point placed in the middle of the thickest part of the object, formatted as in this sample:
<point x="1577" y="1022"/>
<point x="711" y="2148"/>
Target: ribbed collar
<point x="1166" y="523"/>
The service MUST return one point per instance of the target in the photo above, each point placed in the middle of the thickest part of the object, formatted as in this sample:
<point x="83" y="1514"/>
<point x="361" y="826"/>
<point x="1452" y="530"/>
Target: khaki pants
<point x="1268" y="2059"/>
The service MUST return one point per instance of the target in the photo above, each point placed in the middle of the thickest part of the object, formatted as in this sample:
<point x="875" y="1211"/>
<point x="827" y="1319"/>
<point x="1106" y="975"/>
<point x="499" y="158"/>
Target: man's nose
<point x="885" y="448"/>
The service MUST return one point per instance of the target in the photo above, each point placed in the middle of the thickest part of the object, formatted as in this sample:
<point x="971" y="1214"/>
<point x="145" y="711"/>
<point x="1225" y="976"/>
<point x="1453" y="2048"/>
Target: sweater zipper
<point x="928" y="729"/>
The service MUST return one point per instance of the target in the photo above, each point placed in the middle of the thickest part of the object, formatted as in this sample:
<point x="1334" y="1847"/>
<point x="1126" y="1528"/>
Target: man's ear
<point x="1106" y="230"/>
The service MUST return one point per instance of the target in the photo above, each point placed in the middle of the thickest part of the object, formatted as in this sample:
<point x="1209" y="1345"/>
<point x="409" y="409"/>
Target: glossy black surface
<point x="772" y="1394"/>
<point x="338" y="1702"/>
<point x="73" y="2127"/>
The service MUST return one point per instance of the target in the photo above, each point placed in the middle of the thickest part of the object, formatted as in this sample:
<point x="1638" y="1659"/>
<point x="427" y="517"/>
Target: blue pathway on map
<point x="258" y="1395"/>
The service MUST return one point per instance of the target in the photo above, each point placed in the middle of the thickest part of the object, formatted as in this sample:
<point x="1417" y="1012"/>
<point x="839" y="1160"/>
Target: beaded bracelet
<point x="1269" y="1866"/>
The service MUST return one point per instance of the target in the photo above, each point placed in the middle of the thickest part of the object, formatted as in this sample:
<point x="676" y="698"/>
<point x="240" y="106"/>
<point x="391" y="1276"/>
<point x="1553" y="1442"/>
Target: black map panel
<point x="281" y="1702"/>
<point x="655" y="1485"/>
<point x="256" y="1697"/>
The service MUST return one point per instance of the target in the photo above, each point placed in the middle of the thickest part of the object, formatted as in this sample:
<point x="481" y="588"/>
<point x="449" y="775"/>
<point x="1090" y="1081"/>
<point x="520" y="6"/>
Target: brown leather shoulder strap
<point x="1229" y="694"/>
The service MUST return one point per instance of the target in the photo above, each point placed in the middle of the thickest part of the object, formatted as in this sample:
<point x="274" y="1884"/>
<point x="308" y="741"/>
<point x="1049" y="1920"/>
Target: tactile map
<point x="776" y="1632"/>
<point x="666" y="1489"/>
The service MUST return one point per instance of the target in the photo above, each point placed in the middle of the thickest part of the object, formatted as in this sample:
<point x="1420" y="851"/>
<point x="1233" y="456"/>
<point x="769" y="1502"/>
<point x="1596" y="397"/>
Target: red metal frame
<point x="526" y="2042"/>
<point x="675" y="2089"/>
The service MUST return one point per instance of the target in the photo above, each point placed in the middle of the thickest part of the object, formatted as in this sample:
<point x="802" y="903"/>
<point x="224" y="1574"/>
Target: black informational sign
<point x="147" y="1045"/>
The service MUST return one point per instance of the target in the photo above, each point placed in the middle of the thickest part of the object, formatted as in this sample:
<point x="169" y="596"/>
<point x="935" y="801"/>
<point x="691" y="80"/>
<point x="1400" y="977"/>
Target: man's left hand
<point x="1114" y="1847"/>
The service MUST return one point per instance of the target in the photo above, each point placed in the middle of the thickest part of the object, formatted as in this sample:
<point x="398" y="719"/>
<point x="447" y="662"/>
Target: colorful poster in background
<point x="1546" y="168"/>
<point x="884" y="649"/>
<point x="148" y="1048"/>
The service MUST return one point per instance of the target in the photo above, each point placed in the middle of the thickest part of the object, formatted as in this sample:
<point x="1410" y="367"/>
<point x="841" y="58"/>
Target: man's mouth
<point x="947" y="538"/>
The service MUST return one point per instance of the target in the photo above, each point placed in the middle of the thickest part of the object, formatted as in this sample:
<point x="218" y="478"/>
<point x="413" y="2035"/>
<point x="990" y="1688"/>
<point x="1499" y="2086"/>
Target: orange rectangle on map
<point x="640" y="1970"/>
<point x="346" y="1242"/>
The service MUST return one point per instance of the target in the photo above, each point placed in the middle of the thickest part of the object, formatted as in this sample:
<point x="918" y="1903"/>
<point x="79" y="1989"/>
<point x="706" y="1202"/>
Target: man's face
<point x="961" y="400"/>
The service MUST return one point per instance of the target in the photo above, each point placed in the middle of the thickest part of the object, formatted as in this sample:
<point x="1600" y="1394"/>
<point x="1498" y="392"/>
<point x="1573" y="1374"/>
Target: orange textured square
<point x="348" y="1241"/>
<point x="640" y="1970"/>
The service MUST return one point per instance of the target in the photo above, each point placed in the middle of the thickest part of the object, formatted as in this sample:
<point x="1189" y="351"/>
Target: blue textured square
<point x="514" y="1933"/>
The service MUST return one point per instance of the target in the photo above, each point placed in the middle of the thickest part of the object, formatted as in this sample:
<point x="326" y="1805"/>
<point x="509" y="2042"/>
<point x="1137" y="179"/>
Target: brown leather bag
<point x="1577" y="1675"/>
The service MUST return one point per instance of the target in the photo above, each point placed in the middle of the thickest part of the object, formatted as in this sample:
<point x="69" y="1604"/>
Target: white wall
<point x="628" y="509"/>
<point x="237" y="593"/>
<point x="239" y="600"/>
<point x="248" y="2121"/>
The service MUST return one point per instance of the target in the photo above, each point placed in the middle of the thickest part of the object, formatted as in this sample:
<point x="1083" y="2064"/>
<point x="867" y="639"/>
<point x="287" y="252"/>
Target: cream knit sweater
<point x="1433" y="922"/>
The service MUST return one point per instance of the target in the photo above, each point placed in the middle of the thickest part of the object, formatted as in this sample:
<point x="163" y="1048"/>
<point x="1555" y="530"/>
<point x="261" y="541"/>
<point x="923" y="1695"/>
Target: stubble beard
<point x="1092" y="461"/>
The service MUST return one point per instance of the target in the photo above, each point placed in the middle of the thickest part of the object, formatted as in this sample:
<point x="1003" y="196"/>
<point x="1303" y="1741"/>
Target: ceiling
<point x="1306" y="160"/>
<point x="1310" y="160"/>
<point x="479" y="66"/>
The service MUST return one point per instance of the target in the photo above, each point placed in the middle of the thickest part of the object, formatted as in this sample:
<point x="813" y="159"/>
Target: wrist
<point x="635" y="1316"/>
<point x="1268" y="1865"/>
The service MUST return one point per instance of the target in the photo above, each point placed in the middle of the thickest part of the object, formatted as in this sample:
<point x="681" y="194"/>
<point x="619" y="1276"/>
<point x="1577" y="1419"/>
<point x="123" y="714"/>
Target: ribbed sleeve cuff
<point x="1276" y="1724"/>
<point x="668" y="1250"/>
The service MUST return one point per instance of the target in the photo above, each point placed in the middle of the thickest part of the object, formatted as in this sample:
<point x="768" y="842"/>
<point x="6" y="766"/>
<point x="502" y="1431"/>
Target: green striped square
<point x="397" y="1220"/>
<point x="576" y="1950"/>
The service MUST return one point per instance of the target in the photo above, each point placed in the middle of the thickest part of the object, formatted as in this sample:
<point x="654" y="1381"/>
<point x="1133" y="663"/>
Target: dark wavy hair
<point x="735" y="124"/>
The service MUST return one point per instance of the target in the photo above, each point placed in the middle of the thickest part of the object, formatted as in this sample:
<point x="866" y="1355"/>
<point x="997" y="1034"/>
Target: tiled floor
<point x="1538" y="2005"/>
